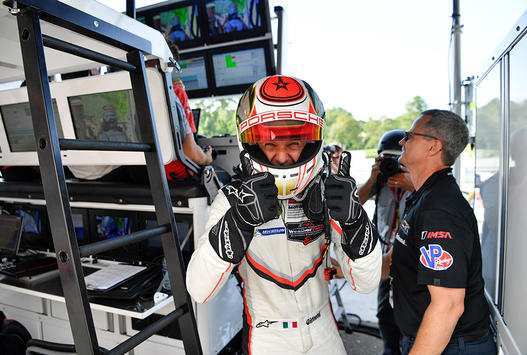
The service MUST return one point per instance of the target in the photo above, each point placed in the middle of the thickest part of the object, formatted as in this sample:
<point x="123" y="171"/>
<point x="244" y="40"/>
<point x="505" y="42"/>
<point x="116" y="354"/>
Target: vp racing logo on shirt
<point x="435" y="257"/>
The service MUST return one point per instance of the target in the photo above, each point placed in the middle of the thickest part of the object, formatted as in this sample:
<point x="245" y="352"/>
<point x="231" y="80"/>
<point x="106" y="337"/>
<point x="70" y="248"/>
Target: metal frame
<point x="500" y="60"/>
<point x="32" y="43"/>
<point x="504" y="177"/>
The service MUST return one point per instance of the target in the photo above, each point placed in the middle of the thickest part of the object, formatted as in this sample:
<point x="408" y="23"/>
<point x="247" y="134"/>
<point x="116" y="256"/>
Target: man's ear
<point x="435" y="148"/>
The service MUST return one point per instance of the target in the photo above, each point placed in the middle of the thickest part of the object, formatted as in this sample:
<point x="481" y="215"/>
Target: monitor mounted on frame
<point x="230" y="20"/>
<point x="10" y="235"/>
<point x="180" y="22"/>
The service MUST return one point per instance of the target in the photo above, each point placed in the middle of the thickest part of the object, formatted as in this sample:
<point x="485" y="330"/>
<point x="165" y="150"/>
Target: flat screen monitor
<point x="106" y="116"/>
<point x="81" y="224"/>
<point x="108" y="224"/>
<point x="35" y="227"/>
<point x="10" y="235"/>
<point x="19" y="126"/>
<point x="236" y="67"/>
<point x="180" y="22"/>
<point x="193" y="74"/>
<point x="229" y="20"/>
<point x="152" y="249"/>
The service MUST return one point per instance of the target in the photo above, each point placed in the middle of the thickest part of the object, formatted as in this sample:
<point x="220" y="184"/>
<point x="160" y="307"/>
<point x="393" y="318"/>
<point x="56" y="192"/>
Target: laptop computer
<point x="10" y="236"/>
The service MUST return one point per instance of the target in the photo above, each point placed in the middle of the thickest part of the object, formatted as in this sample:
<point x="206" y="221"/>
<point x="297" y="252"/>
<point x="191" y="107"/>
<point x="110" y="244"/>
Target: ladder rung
<point x="79" y="144"/>
<point x="146" y="333"/>
<point x="63" y="46"/>
<point x="114" y="243"/>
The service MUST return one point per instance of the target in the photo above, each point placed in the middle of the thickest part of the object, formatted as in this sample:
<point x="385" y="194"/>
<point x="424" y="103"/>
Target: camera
<point x="330" y="149"/>
<point x="389" y="166"/>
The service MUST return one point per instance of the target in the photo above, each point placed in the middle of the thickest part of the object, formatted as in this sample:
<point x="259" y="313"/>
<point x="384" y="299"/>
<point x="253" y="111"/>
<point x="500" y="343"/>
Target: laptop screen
<point x="10" y="235"/>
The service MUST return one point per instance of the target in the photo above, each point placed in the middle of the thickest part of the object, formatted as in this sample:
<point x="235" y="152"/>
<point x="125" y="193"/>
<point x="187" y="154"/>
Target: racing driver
<point x="276" y="221"/>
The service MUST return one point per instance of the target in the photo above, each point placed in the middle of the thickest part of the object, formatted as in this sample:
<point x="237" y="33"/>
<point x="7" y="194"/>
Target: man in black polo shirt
<point x="439" y="301"/>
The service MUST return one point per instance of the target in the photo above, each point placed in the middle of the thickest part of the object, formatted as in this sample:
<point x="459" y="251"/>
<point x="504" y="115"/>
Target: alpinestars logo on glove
<point x="227" y="244"/>
<point x="365" y="240"/>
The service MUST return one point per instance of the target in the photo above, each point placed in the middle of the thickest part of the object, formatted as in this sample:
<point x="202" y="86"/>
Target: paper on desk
<point x="111" y="275"/>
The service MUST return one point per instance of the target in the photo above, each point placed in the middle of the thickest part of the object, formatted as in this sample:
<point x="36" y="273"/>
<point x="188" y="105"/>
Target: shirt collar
<point x="428" y="183"/>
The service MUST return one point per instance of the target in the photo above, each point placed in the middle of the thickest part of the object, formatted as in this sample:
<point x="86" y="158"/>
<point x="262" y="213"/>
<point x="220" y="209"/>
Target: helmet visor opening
<point x="282" y="130"/>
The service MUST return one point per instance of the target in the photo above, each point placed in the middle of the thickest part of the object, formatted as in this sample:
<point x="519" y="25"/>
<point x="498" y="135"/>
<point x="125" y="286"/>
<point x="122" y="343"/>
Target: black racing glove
<point x="256" y="204"/>
<point x="257" y="200"/>
<point x="359" y="237"/>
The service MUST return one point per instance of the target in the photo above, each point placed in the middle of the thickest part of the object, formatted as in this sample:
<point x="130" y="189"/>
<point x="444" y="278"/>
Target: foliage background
<point x="218" y="118"/>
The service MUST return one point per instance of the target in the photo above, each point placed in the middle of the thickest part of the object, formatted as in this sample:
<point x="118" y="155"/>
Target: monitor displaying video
<point x="179" y="25"/>
<point x="112" y="226"/>
<point x="32" y="220"/>
<point x="106" y="116"/>
<point x="35" y="227"/>
<point x="81" y="225"/>
<point x="10" y="234"/>
<point x="237" y="17"/>
<point x="19" y="126"/>
<point x="78" y="225"/>
<point x="239" y="67"/>
<point x="109" y="224"/>
<point x="193" y="73"/>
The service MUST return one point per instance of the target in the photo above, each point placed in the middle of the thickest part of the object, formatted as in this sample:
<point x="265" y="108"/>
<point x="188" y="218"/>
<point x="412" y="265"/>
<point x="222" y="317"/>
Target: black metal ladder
<point x="68" y="253"/>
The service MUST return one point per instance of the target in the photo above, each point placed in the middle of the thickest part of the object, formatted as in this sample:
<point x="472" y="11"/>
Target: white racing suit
<point x="287" y="309"/>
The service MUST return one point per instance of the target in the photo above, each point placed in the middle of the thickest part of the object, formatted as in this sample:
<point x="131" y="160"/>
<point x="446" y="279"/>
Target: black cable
<point x="359" y="328"/>
<point x="359" y="320"/>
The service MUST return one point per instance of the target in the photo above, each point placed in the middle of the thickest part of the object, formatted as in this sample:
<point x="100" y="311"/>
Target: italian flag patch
<point x="289" y="325"/>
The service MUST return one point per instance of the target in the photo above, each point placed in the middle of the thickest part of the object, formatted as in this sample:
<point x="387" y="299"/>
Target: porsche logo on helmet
<point x="282" y="89"/>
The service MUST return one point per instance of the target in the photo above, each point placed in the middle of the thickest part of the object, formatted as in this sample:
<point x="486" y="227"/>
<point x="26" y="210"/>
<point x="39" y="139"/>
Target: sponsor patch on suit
<point x="304" y="232"/>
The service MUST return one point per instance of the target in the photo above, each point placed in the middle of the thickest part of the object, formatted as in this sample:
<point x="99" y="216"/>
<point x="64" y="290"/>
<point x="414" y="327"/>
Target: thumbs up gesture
<point x="257" y="196"/>
<point x="341" y="194"/>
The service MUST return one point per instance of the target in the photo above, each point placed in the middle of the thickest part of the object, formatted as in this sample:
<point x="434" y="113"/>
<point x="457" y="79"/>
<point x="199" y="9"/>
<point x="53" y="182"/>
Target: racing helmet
<point x="282" y="108"/>
<point x="389" y="142"/>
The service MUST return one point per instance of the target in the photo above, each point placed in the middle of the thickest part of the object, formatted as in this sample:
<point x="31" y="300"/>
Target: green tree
<point x="488" y="127"/>
<point x="373" y="129"/>
<point x="218" y="116"/>
<point x="342" y="127"/>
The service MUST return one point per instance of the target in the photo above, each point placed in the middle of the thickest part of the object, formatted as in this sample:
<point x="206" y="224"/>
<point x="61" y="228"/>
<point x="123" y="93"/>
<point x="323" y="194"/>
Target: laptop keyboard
<point x="29" y="267"/>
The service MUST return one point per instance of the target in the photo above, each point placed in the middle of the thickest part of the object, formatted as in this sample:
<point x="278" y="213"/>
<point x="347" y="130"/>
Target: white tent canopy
<point x="11" y="65"/>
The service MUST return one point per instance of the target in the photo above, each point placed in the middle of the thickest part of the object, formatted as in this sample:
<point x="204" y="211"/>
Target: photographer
<point x="390" y="184"/>
<point x="335" y="151"/>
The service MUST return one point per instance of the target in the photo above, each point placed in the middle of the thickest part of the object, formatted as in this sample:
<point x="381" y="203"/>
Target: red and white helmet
<point x="283" y="108"/>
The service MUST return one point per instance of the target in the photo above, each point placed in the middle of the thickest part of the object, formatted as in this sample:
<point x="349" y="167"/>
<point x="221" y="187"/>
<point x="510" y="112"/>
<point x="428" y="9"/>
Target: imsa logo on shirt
<point x="435" y="257"/>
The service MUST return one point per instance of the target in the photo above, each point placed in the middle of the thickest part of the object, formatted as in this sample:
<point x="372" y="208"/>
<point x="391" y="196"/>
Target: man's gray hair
<point x="450" y="129"/>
